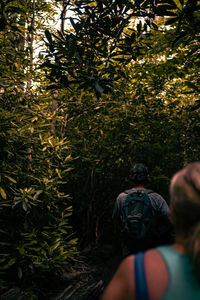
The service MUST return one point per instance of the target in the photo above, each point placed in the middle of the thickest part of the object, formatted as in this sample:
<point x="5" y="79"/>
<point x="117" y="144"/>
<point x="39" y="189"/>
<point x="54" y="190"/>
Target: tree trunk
<point x="55" y="92"/>
<point x="30" y="41"/>
<point x="63" y="15"/>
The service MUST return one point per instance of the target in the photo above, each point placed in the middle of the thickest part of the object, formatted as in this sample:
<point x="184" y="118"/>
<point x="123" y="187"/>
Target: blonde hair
<point x="185" y="202"/>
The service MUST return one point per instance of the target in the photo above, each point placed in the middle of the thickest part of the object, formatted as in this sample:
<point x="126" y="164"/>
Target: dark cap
<point x="139" y="173"/>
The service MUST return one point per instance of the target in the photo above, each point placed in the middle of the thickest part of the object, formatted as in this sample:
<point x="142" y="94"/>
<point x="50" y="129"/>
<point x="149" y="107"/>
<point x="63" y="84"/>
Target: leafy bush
<point x="36" y="237"/>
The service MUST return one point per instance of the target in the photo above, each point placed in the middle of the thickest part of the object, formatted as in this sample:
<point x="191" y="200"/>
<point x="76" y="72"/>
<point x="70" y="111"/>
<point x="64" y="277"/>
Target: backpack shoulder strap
<point x="141" y="289"/>
<point x="149" y="192"/>
<point x="130" y="193"/>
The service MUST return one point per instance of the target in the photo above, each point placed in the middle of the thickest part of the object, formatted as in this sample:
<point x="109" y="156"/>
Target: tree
<point x="105" y="37"/>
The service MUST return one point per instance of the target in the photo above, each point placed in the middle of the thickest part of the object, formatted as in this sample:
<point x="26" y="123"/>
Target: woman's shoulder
<point x="156" y="274"/>
<point x="122" y="285"/>
<point x="155" y="270"/>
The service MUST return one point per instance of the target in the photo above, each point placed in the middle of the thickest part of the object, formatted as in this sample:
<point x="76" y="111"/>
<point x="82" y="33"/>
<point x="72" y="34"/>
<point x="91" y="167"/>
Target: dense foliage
<point x="108" y="35"/>
<point x="124" y="76"/>
<point x="140" y="59"/>
<point x="36" y="238"/>
<point x="34" y="207"/>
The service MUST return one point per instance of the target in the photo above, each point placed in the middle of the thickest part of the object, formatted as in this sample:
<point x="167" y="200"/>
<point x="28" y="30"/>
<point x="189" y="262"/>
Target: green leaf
<point x="19" y="272"/>
<point x="68" y="158"/>
<point x="54" y="246"/>
<point x="58" y="172"/>
<point x="11" y="179"/>
<point x="192" y="85"/>
<point x="73" y="241"/>
<point x="162" y="12"/>
<point x="21" y="250"/>
<point x="37" y="194"/>
<point x="154" y="25"/>
<point x="24" y="206"/>
<point x="9" y="264"/>
<point x="73" y="24"/>
<point x="2" y="260"/>
<point x="48" y="36"/>
<point x="3" y="193"/>
<point x="171" y="21"/>
<point x="179" y="3"/>
<point x="50" y="142"/>
<point x="180" y="39"/>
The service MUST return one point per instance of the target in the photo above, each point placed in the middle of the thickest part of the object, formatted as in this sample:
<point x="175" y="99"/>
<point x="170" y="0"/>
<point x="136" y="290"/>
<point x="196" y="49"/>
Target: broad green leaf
<point x="178" y="4"/>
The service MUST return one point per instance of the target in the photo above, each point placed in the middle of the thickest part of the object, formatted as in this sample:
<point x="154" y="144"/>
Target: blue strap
<point x="141" y="290"/>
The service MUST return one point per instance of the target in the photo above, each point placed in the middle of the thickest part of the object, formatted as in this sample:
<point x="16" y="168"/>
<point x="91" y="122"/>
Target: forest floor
<point x="90" y="275"/>
<point x="86" y="279"/>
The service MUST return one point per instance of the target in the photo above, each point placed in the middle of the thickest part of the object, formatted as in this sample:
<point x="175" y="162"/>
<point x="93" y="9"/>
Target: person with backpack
<point x="167" y="272"/>
<point x="144" y="215"/>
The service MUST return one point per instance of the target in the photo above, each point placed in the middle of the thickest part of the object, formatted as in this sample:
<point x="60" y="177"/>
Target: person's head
<point x="185" y="197"/>
<point x="138" y="174"/>
<point x="185" y="207"/>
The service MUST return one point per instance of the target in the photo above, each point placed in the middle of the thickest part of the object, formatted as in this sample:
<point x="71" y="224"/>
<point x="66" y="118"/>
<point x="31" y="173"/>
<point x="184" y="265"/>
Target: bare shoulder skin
<point x="122" y="286"/>
<point x="156" y="273"/>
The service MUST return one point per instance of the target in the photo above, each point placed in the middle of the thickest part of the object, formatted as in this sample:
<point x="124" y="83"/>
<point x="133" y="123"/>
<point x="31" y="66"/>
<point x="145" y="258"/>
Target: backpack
<point x="137" y="214"/>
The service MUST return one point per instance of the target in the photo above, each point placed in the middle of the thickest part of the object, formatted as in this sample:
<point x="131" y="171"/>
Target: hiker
<point x="145" y="224"/>
<point x="169" y="271"/>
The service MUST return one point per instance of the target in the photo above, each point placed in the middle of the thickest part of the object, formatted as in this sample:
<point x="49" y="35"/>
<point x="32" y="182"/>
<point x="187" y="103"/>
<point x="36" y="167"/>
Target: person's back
<point x="158" y="212"/>
<point x="167" y="272"/>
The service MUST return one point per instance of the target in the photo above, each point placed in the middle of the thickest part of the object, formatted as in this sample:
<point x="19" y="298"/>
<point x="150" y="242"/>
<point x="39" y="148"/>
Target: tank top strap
<point x="141" y="289"/>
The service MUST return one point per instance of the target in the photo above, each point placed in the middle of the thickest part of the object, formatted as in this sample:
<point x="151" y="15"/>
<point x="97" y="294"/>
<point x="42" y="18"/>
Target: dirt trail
<point x="90" y="277"/>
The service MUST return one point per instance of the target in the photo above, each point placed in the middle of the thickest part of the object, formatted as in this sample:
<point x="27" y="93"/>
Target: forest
<point x="112" y="83"/>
